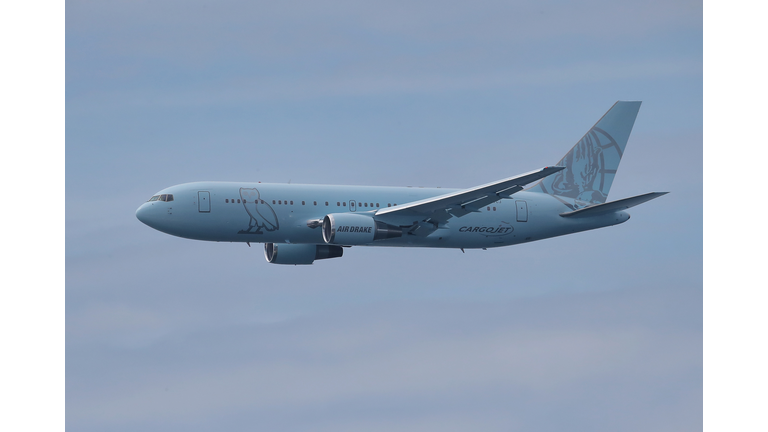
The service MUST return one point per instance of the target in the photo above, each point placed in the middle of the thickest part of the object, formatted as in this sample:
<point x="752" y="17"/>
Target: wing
<point x="438" y="210"/>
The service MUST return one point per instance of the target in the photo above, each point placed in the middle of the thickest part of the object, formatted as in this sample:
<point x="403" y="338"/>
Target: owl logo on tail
<point x="262" y="215"/>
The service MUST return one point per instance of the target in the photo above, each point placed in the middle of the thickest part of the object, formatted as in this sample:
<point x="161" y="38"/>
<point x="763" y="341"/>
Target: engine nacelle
<point x="289" y="253"/>
<point x="356" y="229"/>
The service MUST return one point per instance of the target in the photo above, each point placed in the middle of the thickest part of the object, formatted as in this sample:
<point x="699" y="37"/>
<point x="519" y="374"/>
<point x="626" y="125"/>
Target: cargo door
<point x="522" y="211"/>
<point x="204" y="201"/>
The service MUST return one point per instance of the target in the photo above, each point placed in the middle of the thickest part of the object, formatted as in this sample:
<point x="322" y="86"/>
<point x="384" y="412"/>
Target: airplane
<point x="300" y="224"/>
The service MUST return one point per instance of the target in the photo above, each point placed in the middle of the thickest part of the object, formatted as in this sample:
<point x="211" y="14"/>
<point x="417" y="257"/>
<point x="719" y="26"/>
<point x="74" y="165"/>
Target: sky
<point x="601" y="330"/>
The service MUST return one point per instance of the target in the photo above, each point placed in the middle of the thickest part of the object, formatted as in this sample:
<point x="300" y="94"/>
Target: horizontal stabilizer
<point x="613" y="206"/>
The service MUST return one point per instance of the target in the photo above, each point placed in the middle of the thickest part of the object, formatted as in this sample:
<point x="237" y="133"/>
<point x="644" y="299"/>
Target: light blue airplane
<point x="299" y="224"/>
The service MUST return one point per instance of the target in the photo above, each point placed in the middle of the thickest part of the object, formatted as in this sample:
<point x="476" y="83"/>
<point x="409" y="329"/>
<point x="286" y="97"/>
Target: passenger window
<point x="365" y="204"/>
<point x="238" y="201"/>
<point x="489" y="209"/>
<point x="226" y="200"/>
<point x="315" y="202"/>
<point x="389" y="205"/>
<point x="291" y="202"/>
<point x="344" y="204"/>
<point x="273" y="201"/>
<point x="326" y="203"/>
<point x="302" y="203"/>
<point x="377" y="204"/>
<point x="338" y="204"/>
<point x="494" y="209"/>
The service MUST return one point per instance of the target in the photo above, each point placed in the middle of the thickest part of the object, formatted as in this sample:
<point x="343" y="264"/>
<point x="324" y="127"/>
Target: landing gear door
<point x="522" y="211"/>
<point x="204" y="201"/>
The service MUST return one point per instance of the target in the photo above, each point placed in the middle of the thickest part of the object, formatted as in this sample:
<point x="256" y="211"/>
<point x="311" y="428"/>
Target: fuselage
<point x="293" y="213"/>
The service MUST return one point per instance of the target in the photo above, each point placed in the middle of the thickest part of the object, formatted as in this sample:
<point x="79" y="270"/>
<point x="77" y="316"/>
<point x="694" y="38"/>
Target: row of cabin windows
<point x="281" y="202"/>
<point x="286" y="202"/>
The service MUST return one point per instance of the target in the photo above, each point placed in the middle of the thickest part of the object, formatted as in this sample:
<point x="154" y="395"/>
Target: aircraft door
<point x="522" y="211"/>
<point x="352" y="206"/>
<point x="204" y="201"/>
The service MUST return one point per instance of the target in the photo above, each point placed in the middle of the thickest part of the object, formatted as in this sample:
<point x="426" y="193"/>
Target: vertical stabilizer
<point x="591" y="164"/>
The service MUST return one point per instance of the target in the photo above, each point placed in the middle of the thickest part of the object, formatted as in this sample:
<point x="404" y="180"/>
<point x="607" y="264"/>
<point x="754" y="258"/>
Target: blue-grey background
<point x="599" y="330"/>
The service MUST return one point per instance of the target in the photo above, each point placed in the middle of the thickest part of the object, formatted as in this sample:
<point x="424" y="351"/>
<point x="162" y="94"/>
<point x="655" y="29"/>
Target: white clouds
<point x="423" y="357"/>
<point x="388" y="82"/>
<point x="292" y="29"/>
<point x="191" y="54"/>
<point x="117" y="324"/>
<point x="357" y="40"/>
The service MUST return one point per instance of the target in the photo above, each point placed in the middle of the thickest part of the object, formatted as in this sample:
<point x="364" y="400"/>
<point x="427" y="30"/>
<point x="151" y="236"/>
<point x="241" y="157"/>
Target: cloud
<point x="277" y="30"/>
<point x="266" y="48"/>
<point x="431" y="356"/>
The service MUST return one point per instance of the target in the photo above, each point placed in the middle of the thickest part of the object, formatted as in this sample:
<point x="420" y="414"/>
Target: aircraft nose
<point x="143" y="214"/>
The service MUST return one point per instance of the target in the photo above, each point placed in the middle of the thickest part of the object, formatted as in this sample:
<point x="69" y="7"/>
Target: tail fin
<point x="591" y="164"/>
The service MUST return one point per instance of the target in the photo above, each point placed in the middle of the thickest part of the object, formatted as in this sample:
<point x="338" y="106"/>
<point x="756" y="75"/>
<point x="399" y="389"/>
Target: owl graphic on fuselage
<point x="261" y="213"/>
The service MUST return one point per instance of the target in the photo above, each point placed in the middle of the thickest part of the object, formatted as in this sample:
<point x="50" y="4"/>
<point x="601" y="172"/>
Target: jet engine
<point x="289" y="253"/>
<point x="356" y="229"/>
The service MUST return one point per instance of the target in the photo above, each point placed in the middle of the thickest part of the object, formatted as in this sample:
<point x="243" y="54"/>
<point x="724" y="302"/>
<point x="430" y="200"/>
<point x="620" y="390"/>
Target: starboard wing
<point x="457" y="204"/>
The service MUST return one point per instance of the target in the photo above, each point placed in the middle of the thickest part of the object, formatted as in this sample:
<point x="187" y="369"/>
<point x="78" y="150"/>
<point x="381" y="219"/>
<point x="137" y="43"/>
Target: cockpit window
<point x="163" y="197"/>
